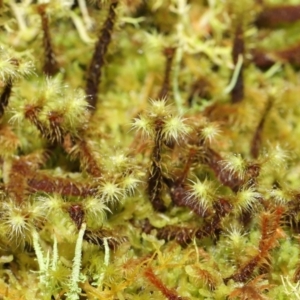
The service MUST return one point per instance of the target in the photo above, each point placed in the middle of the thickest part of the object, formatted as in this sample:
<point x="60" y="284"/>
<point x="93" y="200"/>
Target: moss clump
<point x="149" y="150"/>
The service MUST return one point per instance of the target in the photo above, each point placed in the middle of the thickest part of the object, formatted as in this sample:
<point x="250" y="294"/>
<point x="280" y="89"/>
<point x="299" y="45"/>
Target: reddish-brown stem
<point x="169" y="54"/>
<point x="88" y="160"/>
<point x="257" y="138"/>
<point x="179" y="192"/>
<point x="20" y="170"/>
<point x="237" y="93"/>
<point x="155" y="181"/>
<point x="5" y="96"/>
<point x="270" y="233"/>
<point x="262" y="59"/>
<point x="278" y="15"/>
<point x="290" y="55"/>
<point x="168" y="293"/>
<point x="201" y="88"/>
<point x="31" y="113"/>
<point x="181" y="197"/>
<point x="56" y="132"/>
<point x="97" y="237"/>
<point x="226" y="177"/>
<point x="76" y="213"/>
<point x="184" y="235"/>
<point x="95" y="70"/>
<point x="67" y="187"/>
<point x="50" y="64"/>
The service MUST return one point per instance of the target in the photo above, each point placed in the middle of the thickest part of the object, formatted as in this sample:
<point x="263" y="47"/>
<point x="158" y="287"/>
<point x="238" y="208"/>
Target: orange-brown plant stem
<point x="270" y="233"/>
<point x="168" y="293"/>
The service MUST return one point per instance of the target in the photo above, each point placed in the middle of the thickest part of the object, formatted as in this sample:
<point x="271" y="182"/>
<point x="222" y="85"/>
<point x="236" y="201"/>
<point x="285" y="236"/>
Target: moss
<point x="149" y="150"/>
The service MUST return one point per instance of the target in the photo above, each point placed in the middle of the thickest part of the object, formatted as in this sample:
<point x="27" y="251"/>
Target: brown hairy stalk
<point x="214" y="161"/>
<point x="252" y="289"/>
<point x="262" y="59"/>
<point x="206" y="277"/>
<point x="270" y="233"/>
<point x="97" y="237"/>
<point x="5" y="96"/>
<point x="165" y="89"/>
<point x="76" y="213"/>
<point x="238" y="48"/>
<point x="56" y="133"/>
<point x="296" y="276"/>
<point x="257" y="138"/>
<point x="50" y="64"/>
<point x="178" y="190"/>
<point x="201" y="88"/>
<point x="41" y="182"/>
<point x="168" y="293"/>
<point x="21" y="169"/>
<point x="95" y="70"/>
<point x="265" y="60"/>
<point x="278" y="15"/>
<point x="31" y="113"/>
<point x="88" y="160"/>
<point x="227" y="177"/>
<point x="290" y="55"/>
<point x="155" y="180"/>
<point x="184" y="235"/>
<point x="181" y="197"/>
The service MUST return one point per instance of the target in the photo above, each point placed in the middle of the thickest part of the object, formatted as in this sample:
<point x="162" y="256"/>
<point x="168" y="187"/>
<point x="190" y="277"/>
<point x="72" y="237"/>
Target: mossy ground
<point x="188" y="197"/>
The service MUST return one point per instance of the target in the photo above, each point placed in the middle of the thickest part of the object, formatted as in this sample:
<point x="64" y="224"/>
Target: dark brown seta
<point x="262" y="59"/>
<point x="50" y="64"/>
<point x="185" y="235"/>
<point x="290" y="55"/>
<point x="200" y="88"/>
<point x="226" y="177"/>
<point x="179" y="192"/>
<point x="44" y="183"/>
<point x="164" y="92"/>
<point x="76" y="213"/>
<point x="89" y="161"/>
<point x="95" y="70"/>
<point x="155" y="180"/>
<point x="5" y="96"/>
<point x="20" y="170"/>
<point x="238" y="49"/>
<point x="257" y="138"/>
<point x="278" y="15"/>
<point x="97" y="237"/>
